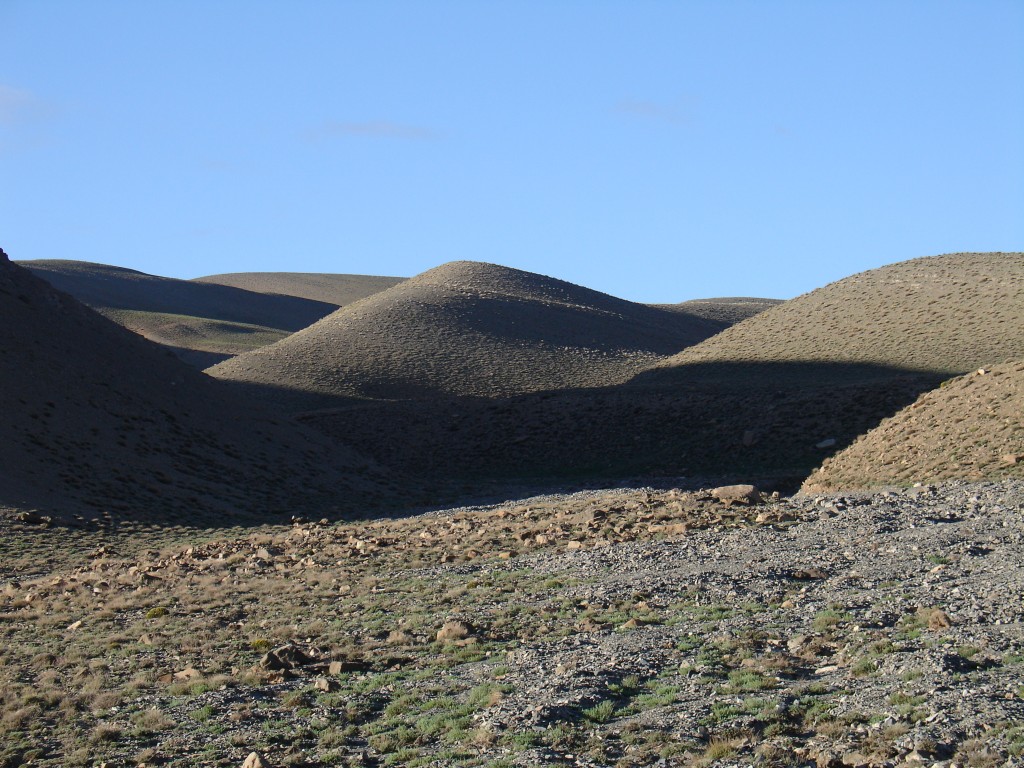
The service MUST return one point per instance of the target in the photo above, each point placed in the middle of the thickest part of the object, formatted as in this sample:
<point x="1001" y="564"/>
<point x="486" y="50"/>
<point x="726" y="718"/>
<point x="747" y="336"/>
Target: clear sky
<point x="659" y="151"/>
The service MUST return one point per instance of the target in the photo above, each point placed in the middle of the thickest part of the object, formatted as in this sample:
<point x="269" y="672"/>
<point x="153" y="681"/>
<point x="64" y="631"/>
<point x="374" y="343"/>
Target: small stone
<point x="285" y="657"/>
<point x="326" y="685"/>
<point x="189" y="673"/>
<point x="575" y="545"/>
<point x="254" y="760"/>
<point x="737" y="494"/>
<point x="828" y="442"/>
<point x="74" y="625"/>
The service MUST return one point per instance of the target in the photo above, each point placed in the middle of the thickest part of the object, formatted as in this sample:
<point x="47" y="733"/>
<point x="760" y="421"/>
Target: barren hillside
<point x="336" y="289"/>
<point x="467" y="328"/>
<point x="97" y="419"/>
<point x="726" y="310"/>
<point x="941" y="314"/>
<point x="202" y="323"/>
<point x="972" y="428"/>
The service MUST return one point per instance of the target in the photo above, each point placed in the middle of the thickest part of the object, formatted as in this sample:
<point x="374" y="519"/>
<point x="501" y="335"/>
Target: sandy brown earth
<point x="727" y="310"/>
<point x="941" y="314"/>
<point x="337" y="289"/>
<point x="202" y="323"/>
<point x="467" y="328"/>
<point x="971" y="427"/>
<point x="100" y="422"/>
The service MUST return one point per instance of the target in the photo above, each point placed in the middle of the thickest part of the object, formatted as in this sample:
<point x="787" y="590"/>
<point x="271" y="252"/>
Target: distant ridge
<point x="970" y="428"/>
<point x="939" y="314"/>
<point x="202" y="323"/>
<point x="99" y="420"/>
<point x="726" y="310"/>
<point x="470" y="328"/>
<point x="337" y="289"/>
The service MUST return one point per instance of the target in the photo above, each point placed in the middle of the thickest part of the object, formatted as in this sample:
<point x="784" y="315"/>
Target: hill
<point x="727" y="310"/>
<point x="474" y="329"/>
<point x="336" y="289"/>
<point x="937" y="315"/>
<point x="99" y="420"/>
<point x="769" y="397"/>
<point x="970" y="428"/>
<point x="203" y="323"/>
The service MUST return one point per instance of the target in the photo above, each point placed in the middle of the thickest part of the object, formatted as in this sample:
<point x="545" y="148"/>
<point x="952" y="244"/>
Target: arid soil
<point x="202" y="323"/>
<point x="471" y="329"/>
<point x="340" y="290"/>
<point x="607" y="628"/>
<point x="970" y="427"/>
<point x="940" y="314"/>
<point x="726" y="310"/>
<point x="188" y="577"/>
<point x="98" y="422"/>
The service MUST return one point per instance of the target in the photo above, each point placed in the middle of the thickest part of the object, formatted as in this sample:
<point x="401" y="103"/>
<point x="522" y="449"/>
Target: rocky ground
<point x="603" y="628"/>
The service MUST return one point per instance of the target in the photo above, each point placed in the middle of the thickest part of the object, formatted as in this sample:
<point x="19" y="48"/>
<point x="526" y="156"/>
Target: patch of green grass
<point x="601" y="712"/>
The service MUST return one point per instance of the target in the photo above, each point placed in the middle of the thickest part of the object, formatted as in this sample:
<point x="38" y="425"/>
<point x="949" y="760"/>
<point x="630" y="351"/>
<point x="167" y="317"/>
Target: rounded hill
<point x="938" y="315"/>
<point x="330" y="288"/>
<point x="97" y="419"/>
<point x="972" y="427"/>
<point x="470" y="328"/>
<point x="201" y="323"/>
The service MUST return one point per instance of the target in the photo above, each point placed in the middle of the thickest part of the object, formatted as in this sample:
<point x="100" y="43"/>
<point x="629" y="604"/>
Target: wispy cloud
<point x="653" y="110"/>
<point x="17" y="106"/>
<point x="374" y="129"/>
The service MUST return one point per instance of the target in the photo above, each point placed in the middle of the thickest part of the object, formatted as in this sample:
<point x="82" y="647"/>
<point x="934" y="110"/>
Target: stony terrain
<point x="338" y="289"/>
<point x="970" y="427"/>
<point x="98" y="422"/>
<point x="471" y="329"/>
<point x="604" y="628"/>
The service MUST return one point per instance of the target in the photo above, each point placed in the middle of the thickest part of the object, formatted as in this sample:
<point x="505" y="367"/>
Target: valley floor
<point x="602" y="628"/>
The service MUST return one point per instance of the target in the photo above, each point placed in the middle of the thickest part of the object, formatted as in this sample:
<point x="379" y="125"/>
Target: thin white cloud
<point x="377" y="129"/>
<point x="18" y="106"/>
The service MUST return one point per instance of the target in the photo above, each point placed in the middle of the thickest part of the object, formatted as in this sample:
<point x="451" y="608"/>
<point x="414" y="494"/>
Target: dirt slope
<point x="970" y="428"/>
<point x="336" y="289"/>
<point x="204" y="323"/>
<point x="468" y="328"/>
<point x="98" y="419"/>
<point x="726" y="310"/>
<point x="941" y="314"/>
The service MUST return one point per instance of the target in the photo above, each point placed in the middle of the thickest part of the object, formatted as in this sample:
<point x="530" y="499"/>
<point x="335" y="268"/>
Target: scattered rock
<point x="737" y="494"/>
<point x="254" y="760"/>
<point x="286" y="657"/>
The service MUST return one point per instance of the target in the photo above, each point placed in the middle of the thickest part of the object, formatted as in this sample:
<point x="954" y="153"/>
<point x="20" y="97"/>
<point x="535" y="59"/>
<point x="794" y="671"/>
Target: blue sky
<point x="657" y="151"/>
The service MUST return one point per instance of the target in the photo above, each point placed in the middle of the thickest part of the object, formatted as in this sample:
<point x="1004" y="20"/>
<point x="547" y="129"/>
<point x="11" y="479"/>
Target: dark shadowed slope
<point x="336" y="289"/>
<point x="775" y="394"/>
<point x="940" y="314"/>
<point x="468" y="328"/>
<point x="970" y="428"/>
<point x="204" y="323"/>
<point x="96" y="418"/>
